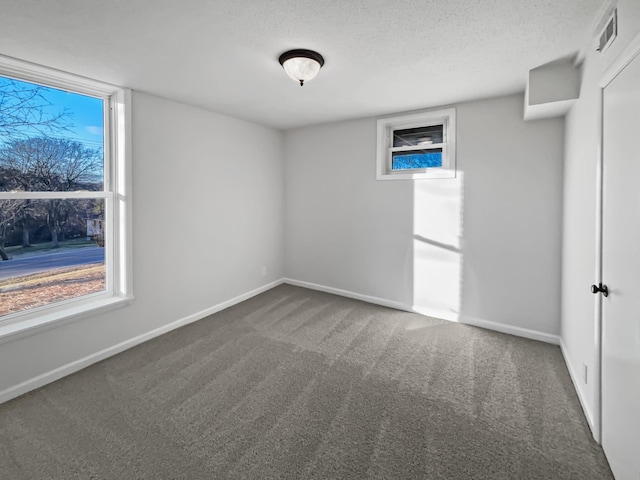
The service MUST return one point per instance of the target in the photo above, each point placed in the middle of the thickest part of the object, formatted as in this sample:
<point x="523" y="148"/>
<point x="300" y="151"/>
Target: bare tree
<point x="22" y="111"/>
<point x="46" y="164"/>
<point x="22" y="114"/>
<point x="52" y="165"/>
<point x="9" y="210"/>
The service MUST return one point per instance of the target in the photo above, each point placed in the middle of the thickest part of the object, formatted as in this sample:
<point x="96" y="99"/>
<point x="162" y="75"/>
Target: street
<point x="50" y="260"/>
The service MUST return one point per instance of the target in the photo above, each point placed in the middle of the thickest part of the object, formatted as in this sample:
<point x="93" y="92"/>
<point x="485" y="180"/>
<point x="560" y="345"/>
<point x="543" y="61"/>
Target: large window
<point x="64" y="196"/>
<point x="417" y="146"/>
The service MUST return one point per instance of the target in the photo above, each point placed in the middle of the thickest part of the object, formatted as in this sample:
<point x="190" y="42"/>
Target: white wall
<point x="492" y="236"/>
<point x="207" y="215"/>
<point x="579" y="335"/>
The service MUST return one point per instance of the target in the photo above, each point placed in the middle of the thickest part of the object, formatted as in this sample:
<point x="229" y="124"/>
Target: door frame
<point x="631" y="51"/>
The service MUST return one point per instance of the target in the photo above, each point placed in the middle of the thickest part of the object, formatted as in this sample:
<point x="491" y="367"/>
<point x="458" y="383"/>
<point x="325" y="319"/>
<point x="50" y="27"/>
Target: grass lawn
<point x="38" y="289"/>
<point x="40" y="248"/>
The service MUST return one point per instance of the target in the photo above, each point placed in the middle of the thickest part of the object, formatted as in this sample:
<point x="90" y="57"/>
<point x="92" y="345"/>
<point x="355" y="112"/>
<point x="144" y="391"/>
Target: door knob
<point x="600" y="288"/>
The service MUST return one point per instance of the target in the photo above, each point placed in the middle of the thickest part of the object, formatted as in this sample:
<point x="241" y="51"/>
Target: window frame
<point x="385" y="149"/>
<point x="116" y="194"/>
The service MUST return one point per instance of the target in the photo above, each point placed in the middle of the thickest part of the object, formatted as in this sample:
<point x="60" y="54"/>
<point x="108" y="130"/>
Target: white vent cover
<point x="609" y="33"/>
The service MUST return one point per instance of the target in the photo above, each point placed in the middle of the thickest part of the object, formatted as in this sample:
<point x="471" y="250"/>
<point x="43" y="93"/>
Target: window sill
<point x="420" y="175"/>
<point x="33" y="324"/>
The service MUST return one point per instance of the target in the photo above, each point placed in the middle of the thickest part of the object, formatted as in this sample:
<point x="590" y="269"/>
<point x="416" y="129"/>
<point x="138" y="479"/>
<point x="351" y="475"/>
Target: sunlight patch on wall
<point x="437" y="247"/>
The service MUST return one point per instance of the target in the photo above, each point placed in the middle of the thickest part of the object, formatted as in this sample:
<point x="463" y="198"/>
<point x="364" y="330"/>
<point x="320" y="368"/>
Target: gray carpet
<point x="300" y="384"/>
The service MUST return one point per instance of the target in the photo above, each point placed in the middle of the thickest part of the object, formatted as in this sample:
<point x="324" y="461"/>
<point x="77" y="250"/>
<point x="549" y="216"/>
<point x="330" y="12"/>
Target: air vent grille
<point x="609" y="33"/>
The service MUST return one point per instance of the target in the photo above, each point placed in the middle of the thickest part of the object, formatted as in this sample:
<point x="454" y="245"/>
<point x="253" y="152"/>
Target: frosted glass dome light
<point x="301" y="65"/>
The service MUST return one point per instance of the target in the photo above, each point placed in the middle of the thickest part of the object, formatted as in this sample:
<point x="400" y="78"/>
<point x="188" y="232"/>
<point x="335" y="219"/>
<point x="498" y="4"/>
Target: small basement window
<point x="417" y="146"/>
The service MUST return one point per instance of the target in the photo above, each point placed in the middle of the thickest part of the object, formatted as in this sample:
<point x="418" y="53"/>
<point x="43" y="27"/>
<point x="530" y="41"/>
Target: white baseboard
<point x="575" y="378"/>
<point x="512" y="330"/>
<point x="450" y="316"/>
<point x="77" y="365"/>
<point x="345" y="293"/>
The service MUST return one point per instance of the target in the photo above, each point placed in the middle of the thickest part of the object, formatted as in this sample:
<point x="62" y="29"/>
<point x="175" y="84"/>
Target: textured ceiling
<point x="381" y="56"/>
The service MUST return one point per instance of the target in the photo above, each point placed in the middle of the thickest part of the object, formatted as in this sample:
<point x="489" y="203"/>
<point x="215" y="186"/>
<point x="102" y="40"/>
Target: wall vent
<point x="609" y="33"/>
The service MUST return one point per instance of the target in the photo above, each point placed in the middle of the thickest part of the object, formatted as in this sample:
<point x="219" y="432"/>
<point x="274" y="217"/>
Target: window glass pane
<point x="412" y="137"/>
<point x="55" y="251"/>
<point x="416" y="159"/>
<point x="50" y="140"/>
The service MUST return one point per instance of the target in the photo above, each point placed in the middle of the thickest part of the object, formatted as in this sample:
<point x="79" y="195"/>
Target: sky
<point x="85" y="114"/>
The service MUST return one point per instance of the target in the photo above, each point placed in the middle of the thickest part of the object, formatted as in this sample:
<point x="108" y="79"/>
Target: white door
<point x="621" y="273"/>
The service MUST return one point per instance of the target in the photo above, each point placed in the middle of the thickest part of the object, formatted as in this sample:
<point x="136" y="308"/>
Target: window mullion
<point x="52" y="195"/>
<point x="410" y="148"/>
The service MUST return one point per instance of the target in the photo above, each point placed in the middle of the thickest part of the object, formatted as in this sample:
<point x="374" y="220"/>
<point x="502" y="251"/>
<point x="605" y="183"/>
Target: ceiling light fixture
<point x="301" y="65"/>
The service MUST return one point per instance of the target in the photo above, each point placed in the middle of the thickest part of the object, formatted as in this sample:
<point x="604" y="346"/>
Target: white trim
<point x="477" y="322"/>
<point x="575" y="379"/>
<point x="346" y="293"/>
<point x="121" y="185"/>
<point x="48" y="316"/>
<point x="511" y="330"/>
<point x="51" y="77"/>
<point x="77" y="365"/>
<point x="595" y="417"/>
<point x="413" y="148"/>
